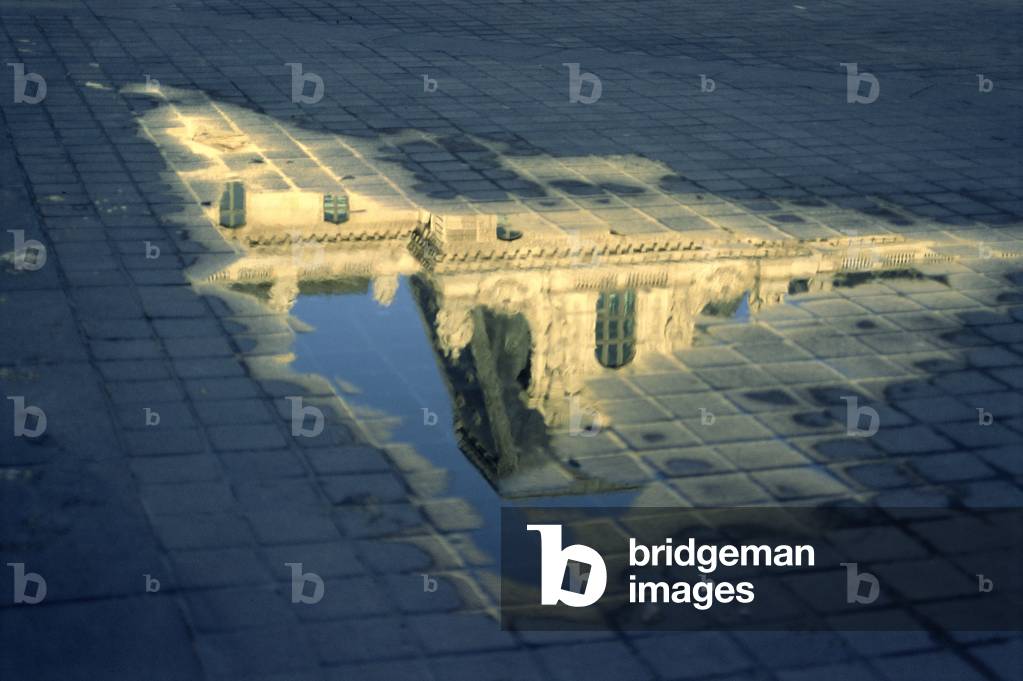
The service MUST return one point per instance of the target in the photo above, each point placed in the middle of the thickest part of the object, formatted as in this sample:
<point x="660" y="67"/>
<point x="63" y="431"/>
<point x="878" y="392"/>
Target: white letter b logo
<point x="554" y="564"/>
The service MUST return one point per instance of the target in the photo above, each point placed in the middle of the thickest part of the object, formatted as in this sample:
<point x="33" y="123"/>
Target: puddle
<point x="382" y="362"/>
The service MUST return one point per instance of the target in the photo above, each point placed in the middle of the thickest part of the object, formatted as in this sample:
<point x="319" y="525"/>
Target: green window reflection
<point x="615" y="333"/>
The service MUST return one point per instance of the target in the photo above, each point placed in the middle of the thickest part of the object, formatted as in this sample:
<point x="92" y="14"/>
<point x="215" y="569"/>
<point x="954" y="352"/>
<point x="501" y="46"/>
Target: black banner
<point x="841" y="568"/>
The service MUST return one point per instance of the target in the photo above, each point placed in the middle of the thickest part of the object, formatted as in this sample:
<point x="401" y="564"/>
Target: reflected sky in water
<point x="381" y="361"/>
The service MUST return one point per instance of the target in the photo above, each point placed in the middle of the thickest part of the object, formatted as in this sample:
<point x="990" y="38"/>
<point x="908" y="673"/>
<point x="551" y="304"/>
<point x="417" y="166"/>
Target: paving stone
<point x="938" y="666"/>
<point x="228" y="610"/>
<point x="220" y="389"/>
<point x="706" y="654"/>
<point x="721" y="490"/>
<point x="354" y="459"/>
<point x="133" y="370"/>
<point x="245" y="437"/>
<point x="346" y="599"/>
<point x="799" y="483"/>
<point x="364" y="639"/>
<point x="349" y="489"/>
<point x="385" y="670"/>
<point x="245" y="652"/>
<point x="168" y="469"/>
<point x="291" y="527"/>
<point x="171" y="441"/>
<point x="329" y="559"/>
<point x="213" y="567"/>
<point x="689" y="406"/>
<point x="656" y="436"/>
<point x="109" y="640"/>
<point x="270" y="494"/>
<point x="378" y="520"/>
<point x="669" y="384"/>
<point x="611" y="661"/>
<point x="467" y="633"/>
<point x="201" y="530"/>
<point x="270" y="464"/>
<point x="186" y="497"/>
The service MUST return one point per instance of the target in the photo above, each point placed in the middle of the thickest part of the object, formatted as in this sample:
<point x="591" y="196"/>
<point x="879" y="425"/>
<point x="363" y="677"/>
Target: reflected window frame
<point x="615" y="328"/>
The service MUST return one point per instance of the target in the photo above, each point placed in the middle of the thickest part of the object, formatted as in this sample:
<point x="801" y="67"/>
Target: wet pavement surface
<point x="693" y="275"/>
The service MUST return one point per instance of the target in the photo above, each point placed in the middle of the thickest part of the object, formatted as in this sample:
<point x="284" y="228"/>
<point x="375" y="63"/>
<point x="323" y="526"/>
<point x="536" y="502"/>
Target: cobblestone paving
<point x="168" y="455"/>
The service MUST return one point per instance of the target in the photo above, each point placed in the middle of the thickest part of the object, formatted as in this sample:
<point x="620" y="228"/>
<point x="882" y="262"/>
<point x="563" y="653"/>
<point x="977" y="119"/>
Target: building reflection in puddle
<point x="540" y="372"/>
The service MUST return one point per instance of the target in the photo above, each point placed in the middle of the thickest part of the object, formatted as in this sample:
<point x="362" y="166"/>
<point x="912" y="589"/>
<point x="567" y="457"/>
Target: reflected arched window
<point x="615" y="333"/>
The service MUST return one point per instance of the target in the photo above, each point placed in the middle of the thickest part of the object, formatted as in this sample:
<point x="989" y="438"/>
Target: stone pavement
<point x="169" y="454"/>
